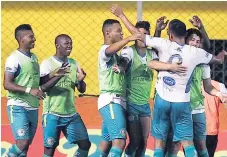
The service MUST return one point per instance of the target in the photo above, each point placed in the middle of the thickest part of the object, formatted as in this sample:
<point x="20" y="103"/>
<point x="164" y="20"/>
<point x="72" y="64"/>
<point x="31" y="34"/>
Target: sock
<point x="81" y="153"/>
<point x="129" y="152"/>
<point x="143" y="153"/>
<point x="100" y="153"/>
<point x="115" y="152"/>
<point x="203" y="153"/>
<point x="158" y="152"/>
<point x="190" y="151"/>
<point x="14" y="151"/>
<point x="44" y="155"/>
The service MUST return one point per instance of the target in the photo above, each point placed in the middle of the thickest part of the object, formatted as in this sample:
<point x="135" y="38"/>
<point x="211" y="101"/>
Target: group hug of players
<point x="125" y="85"/>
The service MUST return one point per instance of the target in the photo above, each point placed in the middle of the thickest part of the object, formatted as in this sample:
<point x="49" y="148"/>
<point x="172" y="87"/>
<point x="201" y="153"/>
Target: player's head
<point x="112" y="30"/>
<point x="193" y="37"/>
<point x="143" y="27"/>
<point x="176" y="30"/>
<point x="25" y="36"/>
<point x="63" y="44"/>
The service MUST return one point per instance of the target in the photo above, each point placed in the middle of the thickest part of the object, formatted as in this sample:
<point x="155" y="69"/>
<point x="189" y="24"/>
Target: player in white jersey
<point x="173" y="90"/>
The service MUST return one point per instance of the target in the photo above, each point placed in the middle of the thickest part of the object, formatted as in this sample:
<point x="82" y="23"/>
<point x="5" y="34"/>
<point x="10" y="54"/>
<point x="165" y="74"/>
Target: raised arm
<point x="117" y="11"/>
<point x="160" y="25"/>
<point x="196" y="22"/>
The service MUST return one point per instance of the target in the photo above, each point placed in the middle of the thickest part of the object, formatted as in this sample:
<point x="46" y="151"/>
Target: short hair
<point x="143" y="24"/>
<point x="192" y="31"/>
<point x="22" y="27"/>
<point x="178" y="28"/>
<point x="109" y="22"/>
<point x="61" y="36"/>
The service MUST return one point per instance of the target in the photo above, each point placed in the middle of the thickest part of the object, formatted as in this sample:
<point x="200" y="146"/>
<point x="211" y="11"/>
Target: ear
<point x="57" y="46"/>
<point x="107" y="32"/>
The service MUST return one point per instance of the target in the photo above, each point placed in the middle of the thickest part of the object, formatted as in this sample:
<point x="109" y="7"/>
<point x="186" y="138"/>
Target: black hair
<point x="192" y="31"/>
<point x="21" y="27"/>
<point x="108" y="22"/>
<point x="143" y="24"/>
<point x="178" y="28"/>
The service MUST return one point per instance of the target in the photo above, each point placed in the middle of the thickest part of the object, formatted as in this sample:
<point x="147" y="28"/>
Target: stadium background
<point x="83" y="22"/>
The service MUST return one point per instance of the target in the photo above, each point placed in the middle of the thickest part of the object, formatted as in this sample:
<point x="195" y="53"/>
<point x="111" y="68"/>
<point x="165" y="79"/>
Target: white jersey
<point x="105" y="98"/>
<point x="170" y="86"/>
<point x="128" y="53"/>
<point x="12" y="66"/>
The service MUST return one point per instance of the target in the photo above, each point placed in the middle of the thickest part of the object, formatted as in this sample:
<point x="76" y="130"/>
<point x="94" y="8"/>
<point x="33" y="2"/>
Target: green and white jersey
<point x="60" y="99"/>
<point x="26" y="72"/>
<point x="196" y="98"/>
<point x="139" y="76"/>
<point x="111" y="85"/>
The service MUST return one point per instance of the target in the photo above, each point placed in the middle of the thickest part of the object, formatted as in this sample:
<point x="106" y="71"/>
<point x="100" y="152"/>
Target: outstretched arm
<point x="196" y="22"/>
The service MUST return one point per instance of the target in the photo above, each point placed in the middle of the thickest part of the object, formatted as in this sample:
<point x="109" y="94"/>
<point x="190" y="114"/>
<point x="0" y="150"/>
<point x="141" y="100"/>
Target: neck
<point x="61" y="57"/>
<point x="180" y="41"/>
<point x="24" y="50"/>
<point x="107" y="42"/>
<point x="141" y="51"/>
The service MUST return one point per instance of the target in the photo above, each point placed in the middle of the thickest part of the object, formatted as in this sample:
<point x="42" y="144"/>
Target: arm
<point x="114" y="48"/>
<point x="160" y="25"/>
<point x="161" y="66"/>
<point x="50" y="83"/>
<point x="219" y="59"/>
<point x="81" y="85"/>
<point x="10" y="85"/>
<point x="117" y="11"/>
<point x="196" y="22"/>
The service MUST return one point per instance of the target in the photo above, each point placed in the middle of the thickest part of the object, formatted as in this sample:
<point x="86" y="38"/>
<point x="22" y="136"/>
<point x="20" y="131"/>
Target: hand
<point x="223" y="98"/>
<point x="179" y="69"/>
<point x="136" y="36"/>
<point x="116" y="10"/>
<point x="161" y="24"/>
<point x="37" y="93"/>
<point x="64" y="70"/>
<point x="80" y="74"/>
<point x="117" y="69"/>
<point x="221" y="56"/>
<point x="196" y="22"/>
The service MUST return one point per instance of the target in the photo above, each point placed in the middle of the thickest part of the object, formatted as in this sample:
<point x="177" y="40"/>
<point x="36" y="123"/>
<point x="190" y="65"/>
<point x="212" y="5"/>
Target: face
<point x="140" y="43"/>
<point x="194" y="40"/>
<point x="27" y="39"/>
<point x="65" y="46"/>
<point x="115" y="33"/>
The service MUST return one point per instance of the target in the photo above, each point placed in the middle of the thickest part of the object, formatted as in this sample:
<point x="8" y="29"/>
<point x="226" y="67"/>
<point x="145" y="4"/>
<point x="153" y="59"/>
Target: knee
<point x="23" y="144"/>
<point x="120" y="143"/>
<point x="84" y="144"/>
<point x="200" y="145"/>
<point x="135" y="141"/>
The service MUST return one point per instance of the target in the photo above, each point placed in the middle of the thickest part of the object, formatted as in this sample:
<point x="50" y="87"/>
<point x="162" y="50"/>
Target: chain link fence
<point x="83" y="21"/>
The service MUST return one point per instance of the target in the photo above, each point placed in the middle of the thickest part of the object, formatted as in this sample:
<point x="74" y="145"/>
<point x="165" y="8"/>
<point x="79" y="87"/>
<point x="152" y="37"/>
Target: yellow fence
<point x="83" y="22"/>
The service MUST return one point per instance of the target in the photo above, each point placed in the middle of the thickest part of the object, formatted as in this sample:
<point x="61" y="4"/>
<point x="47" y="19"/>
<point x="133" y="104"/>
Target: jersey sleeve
<point x="158" y="43"/>
<point x="154" y="55"/>
<point x="102" y="54"/>
<point x="11" y="64"/>
<point x="202" y="56"/>
<point x="223" y="88"/>
<point x="45" y="68"/>
<point x="206" y="71"/>
<point x="127" y="52"/>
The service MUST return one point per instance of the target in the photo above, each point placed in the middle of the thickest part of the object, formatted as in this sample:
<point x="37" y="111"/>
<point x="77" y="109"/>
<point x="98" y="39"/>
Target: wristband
<point x="28" y="89"/>
<point x="218" y="94"/>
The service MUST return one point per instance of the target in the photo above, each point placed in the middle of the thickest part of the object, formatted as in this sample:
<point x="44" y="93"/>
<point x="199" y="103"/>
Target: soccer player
<point x="212" y="104"/>
<point x="173" y="90"/>
<point x="59" y="112"/>
<point x="201" y="74"/>
<point x="111" y="102"/>
<point x="22" y="82"/>
<point x="138" y="81"/>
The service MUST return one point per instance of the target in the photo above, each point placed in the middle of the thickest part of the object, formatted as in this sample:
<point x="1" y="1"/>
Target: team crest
<point x="20" y="132"/>
<point x="123" y="132"/>
<point x="50" y="141"/>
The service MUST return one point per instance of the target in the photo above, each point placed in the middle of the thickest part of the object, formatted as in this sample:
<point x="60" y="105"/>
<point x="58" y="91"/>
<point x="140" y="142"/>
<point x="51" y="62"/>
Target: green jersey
<point x="26" y="72"/>
<point x="60" y="99"/>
